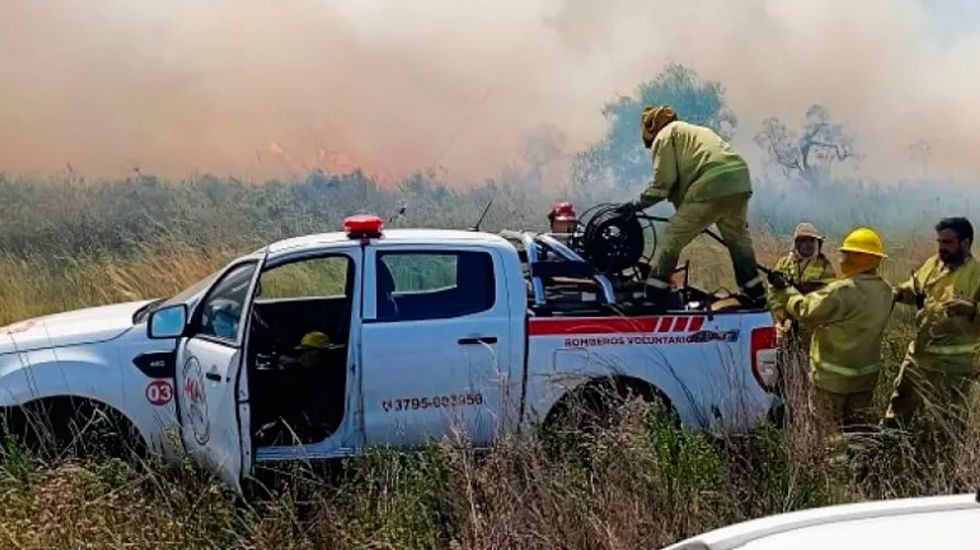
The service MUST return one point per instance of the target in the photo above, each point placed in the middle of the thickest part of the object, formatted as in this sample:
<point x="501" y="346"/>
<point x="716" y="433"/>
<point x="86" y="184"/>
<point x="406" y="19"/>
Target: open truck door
<point x="212" y="392"/>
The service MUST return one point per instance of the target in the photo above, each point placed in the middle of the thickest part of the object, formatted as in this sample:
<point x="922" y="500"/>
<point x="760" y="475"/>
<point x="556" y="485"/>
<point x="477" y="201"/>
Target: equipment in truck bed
<point x="563" y="281"/>
<point x="614" y="243"/>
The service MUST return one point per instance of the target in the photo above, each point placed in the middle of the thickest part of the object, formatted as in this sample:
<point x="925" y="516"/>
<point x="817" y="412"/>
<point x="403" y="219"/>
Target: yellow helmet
<point x="863" y="241"/>
<point x="314" y="340"/>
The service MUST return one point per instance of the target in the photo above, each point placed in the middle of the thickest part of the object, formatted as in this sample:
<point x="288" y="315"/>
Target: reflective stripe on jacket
<point x="944" y="343"/>
<point x="848" y="318"/>
<point x="815" y="269"/>
<point x="694" y="164"/>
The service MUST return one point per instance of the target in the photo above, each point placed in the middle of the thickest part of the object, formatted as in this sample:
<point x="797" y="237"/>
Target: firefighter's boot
<point x="661" y="296"/>
<point x="754" y="295"/>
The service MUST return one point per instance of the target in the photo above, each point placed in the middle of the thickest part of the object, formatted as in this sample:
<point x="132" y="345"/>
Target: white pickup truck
<point x="428" y="329"/>
<point x="943" y="521"/>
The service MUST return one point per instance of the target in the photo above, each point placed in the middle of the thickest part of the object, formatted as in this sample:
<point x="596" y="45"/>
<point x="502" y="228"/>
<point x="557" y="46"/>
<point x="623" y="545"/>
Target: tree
<point x="620" y="155"/>
<point x="921" y="151"/>
<point x="810" y="155"/>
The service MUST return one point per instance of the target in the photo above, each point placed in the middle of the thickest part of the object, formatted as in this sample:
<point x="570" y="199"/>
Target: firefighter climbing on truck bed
<point x="708" y="183"/>
<point x="847" y="318"/>
<point x="941" y="367"/>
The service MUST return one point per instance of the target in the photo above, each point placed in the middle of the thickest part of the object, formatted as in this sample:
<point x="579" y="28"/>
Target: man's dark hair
<point x="959" y="225"/>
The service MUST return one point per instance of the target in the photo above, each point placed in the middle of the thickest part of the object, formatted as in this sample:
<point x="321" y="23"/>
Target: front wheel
<point x="65" y="426"/>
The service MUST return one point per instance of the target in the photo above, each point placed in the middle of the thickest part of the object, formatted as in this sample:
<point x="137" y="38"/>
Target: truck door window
<point x="221" y="311"/>
<point x="434" y="285"/>
<point x="311" y="278"/>
<point x="312" y="294"/>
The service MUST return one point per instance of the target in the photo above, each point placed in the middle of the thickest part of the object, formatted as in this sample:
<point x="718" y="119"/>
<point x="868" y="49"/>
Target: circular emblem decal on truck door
<point x="196" y="398"/>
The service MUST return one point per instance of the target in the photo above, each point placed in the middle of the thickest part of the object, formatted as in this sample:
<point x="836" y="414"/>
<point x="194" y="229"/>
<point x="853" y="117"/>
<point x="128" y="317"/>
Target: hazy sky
<point x="256" y="88"/>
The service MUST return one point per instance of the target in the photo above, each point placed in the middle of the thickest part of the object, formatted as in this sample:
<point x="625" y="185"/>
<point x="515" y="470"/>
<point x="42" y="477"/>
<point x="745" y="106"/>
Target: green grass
<point x="643" y="483"/>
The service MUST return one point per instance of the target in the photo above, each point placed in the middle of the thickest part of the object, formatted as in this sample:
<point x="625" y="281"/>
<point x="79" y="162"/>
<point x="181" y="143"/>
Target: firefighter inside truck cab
<point x="307" y="393"/>
<point x="311" y="351"/>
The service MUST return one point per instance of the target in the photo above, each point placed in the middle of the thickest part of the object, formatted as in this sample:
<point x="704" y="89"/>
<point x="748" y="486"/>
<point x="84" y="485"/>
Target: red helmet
<point x="562" y="212"/>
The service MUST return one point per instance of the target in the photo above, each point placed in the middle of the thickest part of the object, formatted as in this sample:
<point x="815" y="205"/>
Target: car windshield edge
<point x="179" y="298"/>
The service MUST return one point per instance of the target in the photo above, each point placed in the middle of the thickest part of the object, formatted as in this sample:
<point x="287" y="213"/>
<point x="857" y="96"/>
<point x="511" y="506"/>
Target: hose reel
<point x="613" y="242"/>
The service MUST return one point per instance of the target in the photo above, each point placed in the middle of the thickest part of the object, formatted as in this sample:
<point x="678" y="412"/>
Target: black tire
<point x="63" y="427"/>
<point x="585" y="412"/>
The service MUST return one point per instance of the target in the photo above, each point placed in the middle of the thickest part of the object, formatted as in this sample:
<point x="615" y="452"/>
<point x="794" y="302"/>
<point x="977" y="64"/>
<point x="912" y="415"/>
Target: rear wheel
<point x="585" y="413"/>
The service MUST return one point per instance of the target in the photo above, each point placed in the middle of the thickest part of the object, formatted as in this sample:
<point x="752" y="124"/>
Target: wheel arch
<point x="621" y="385"/>
<point x="58" y="419"/>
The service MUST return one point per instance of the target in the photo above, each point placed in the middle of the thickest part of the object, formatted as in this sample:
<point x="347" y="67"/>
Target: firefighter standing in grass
<point x="807" y="269"/>
<point x="848" y="318"/>
<point x="708" y="183"/>
<point x="940" y="366"/>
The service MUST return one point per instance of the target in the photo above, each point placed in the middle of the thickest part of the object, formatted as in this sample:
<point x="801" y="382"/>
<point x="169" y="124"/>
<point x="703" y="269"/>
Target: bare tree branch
<point x="810" y="155"/>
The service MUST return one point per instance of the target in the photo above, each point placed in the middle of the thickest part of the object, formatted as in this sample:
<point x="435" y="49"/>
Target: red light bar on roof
<point x="363" y="226"/>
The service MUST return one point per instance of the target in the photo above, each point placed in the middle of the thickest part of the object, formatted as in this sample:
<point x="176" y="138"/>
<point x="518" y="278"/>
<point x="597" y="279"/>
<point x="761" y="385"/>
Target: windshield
<point x="190" y="291"/>
<point x="182" y="297"/>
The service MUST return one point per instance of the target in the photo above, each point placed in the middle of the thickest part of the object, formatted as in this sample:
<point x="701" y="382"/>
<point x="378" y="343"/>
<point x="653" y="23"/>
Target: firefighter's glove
<point x="628" y="208"/>
<point x="778" y="280"/>
<point x="898" y="295"/>
<point x="959" y="308"/>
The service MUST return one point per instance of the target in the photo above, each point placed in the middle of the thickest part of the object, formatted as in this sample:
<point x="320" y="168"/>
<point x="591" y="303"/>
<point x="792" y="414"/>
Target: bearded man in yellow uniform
<point x="941" y="369"/>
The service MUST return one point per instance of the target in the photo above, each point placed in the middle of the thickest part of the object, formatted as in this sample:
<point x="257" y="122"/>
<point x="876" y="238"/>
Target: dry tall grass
<point x="644" y="483"/>
<point x="36" y="285"/>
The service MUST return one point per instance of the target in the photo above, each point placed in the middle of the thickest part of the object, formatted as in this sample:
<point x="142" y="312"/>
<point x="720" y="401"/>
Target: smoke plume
<point x="258" y="88"/>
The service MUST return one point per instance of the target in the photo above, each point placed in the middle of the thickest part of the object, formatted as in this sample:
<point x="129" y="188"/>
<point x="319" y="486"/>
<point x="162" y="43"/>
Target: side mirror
<point x="167" y="323"/>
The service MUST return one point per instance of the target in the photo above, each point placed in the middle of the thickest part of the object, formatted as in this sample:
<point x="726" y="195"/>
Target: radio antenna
<point x="484" y="215"/>
<point x="399" y="213"/>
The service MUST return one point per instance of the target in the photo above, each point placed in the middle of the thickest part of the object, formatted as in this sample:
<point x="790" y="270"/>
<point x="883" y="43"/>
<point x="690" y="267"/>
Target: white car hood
<point x="82" y="326"/>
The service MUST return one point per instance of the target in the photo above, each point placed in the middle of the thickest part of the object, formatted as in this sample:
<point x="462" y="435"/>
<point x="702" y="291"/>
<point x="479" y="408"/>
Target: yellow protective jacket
<point x="803" y="271"/>
<point x="693" y="164"/>
<point x="944" y="343"/>
<point x="848" y="319"/>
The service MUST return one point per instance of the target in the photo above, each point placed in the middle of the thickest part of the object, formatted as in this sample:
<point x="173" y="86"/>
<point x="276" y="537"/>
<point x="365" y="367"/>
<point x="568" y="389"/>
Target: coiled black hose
<point x="612" y="241"/>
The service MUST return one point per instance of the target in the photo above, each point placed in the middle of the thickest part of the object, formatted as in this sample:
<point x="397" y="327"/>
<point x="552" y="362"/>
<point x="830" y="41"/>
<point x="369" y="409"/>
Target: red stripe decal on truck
<point x="611" y="325"/>
<point x="696" y="323"/>
<point x="680" y="325"/>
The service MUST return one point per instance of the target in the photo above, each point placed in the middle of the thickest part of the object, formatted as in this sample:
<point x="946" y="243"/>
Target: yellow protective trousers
<point x="690" y="220"/>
